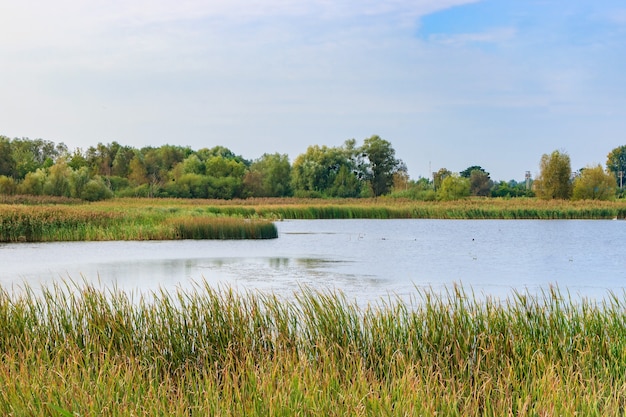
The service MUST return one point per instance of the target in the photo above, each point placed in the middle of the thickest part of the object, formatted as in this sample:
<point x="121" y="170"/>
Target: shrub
<point x="7" y="185"/>
<point x="96" y="190"/>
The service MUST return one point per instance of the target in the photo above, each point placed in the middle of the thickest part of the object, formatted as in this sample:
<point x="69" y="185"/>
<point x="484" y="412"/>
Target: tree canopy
<point x="554" y="179"/>
<point x="378" y="164"/>
<point x="594" y="183"/>
<point x="616" y="164"/>
<point x="371" y="169"/>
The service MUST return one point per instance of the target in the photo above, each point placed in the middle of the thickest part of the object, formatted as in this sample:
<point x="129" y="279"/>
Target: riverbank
<point x="49" y="219"/>
<point x="386" y="208"/>
<point x="122" y="221"/>
<point x="75" y="349"/>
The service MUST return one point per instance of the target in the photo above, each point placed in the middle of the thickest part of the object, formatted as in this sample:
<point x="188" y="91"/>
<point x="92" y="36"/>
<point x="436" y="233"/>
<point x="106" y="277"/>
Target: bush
<point x="33" y="183"/>
<point x="95" y="190"/>
<point x="307" y="194"/>
<point x="454" y="187"/>
<point x="7" y="185"/>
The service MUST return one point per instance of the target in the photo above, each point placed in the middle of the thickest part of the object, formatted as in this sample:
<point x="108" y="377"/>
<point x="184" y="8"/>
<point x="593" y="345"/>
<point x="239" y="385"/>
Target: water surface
<point x="366" y="259"/>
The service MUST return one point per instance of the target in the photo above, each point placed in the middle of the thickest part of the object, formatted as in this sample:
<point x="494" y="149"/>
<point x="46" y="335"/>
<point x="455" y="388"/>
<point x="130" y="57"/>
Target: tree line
<point x="41" y="167"/>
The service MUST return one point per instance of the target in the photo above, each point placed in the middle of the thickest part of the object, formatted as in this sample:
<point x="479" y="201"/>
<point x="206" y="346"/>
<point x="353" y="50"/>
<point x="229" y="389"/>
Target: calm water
<point x="366" y="259"/>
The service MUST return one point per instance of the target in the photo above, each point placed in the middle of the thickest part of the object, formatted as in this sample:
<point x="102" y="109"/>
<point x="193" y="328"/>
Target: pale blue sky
<point x="450" y="83"/>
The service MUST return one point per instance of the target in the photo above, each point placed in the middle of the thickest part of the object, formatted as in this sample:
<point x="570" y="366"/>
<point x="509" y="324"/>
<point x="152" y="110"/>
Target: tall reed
<point x="87" y="222"/>
<point x="207" y="351"/>
<point x="138" y="219"/>
<point x="384" y="208"/>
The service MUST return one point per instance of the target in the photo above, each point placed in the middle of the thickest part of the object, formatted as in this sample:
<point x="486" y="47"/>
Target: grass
<point x="387" y="208"/>
<point x="61" y="222"/>
<point x="37" y="219"/>
<point x="77" y="350"/>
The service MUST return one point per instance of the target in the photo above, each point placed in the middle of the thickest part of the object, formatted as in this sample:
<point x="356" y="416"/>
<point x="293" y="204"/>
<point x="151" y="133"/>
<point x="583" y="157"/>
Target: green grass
<point x="75" y="349"/>
<point x="388" y="208"/>
<point x="60" y="222"/>
<point x="24" y="219"/>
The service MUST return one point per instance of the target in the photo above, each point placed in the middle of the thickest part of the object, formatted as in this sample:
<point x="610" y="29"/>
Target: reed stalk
<point x="21" y="223"/>
<point x="76" y="349"/>
<point x="140" y="219"/>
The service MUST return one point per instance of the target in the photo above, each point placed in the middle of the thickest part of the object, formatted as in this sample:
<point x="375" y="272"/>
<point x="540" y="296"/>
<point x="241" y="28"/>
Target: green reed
<point x="87" y="222"/>
<point x="222" y="228"/>
<point x="388" y="208"/>
<point x="140" y="219"/>
<point x="78" y="349"/>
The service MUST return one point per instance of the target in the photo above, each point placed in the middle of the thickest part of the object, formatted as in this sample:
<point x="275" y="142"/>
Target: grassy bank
<point x="62" y="222"/>
<point x="78" y="349"/>
<point x="37" y="219"/>
<point x="388" y="208"/>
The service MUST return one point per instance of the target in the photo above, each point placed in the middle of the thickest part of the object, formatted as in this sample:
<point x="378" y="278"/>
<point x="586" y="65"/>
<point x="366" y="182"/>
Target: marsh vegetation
<point x="90" y="351"/>
<point x="24" y="218"/>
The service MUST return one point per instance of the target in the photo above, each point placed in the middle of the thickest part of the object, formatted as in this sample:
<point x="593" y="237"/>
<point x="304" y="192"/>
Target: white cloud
<point x="292" y="73"/>
<point x="44" y="21"/>
<point x="107" y="34"/>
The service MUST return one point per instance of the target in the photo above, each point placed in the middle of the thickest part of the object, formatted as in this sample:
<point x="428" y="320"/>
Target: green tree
<point x="420" y="189"/>
<point x="96" y="190"/>
<point x="225" y="187"/>
<point x="7" y="185"/>
<point x="226" y="172"/>
<point x="453" y="187"/>
<point x="616" y="163"/>
<point x="78" y="180"/>
<point x="269" y="176"/>
<point x="511" y="189"/>
<point x="222" y="151"/>
<point x="190" y="186"/>
<point x="480" y="183"/>
<point x="439" y="176"/>
<point x="157" y="163"/>
<point x="467" y="172"/>
<point x="554" y="180"/>
<point x="138" y="174"/>
<point x="378" y="164"/>
<point x="193" y="165"/>
<point x="7" y="163"/>
<point x="315" y="170"/>
<point x="346" y="184"/>
<point x="594" y="183"/>
<point x="220" y="167"/>
<point x="58" y="180"/>
<point x="33" y="183"/>
<point x="77" y="160"/>
<point x="120" y="167"/>
<point x="100" y="158"/>
<point x="32" y="154"/>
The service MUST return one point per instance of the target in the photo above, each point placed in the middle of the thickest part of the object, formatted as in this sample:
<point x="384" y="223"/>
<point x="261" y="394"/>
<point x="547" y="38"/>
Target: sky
<point x="449" y="83"/>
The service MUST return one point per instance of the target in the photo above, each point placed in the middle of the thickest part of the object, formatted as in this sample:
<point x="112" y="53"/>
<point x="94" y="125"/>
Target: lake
<point x="365" y="259"/>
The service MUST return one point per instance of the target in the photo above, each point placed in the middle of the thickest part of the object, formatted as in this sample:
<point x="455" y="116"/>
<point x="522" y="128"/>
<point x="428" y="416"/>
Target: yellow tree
<point x="453" y="187"/>
<point x="555" y="174"/>
<point x="594" y="184"/>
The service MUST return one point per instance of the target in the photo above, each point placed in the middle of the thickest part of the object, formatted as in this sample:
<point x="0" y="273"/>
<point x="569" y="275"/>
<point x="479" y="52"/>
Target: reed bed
<point x="20" y="223"/>
<point x="37" y="199"/>
<point x="222" y="228"/>
<point x="387" y="208"/>
<point x="141" y="219"/>
<point x="74" y="349"/>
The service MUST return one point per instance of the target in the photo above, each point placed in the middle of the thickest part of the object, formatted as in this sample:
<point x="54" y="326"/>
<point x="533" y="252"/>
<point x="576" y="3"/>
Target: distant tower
<point x="528" y="180"/>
